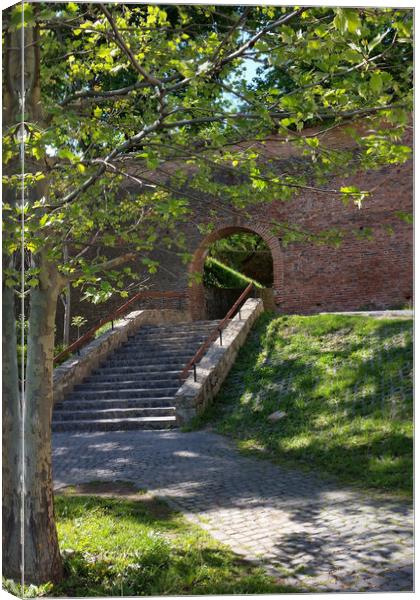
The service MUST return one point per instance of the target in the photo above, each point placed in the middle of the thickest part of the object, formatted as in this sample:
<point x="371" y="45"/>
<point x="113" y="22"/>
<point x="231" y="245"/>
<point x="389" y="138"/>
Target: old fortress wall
<point x="363" y="272"/>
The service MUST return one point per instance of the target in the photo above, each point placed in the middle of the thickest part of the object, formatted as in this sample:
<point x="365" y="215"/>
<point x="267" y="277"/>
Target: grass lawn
<point x="117" y="541"/>
<point x="217" y="274"/>
<point x="345" y="384"/>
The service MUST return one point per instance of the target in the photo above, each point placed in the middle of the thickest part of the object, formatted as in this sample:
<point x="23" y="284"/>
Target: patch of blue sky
<point x="247" y="72"/>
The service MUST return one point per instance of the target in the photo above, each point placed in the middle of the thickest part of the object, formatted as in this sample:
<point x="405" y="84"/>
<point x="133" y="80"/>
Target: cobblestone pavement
<point x="306" y="530"/>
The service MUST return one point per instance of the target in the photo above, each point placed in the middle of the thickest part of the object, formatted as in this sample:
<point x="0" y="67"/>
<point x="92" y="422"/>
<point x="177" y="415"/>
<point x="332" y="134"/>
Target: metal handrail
<point x="217" y="332"/>
<point x="86" y="337"/>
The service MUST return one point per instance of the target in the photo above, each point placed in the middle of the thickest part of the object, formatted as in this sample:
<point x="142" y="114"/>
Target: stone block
<point x="78" y="367"/>
<point x="216" y="363"/>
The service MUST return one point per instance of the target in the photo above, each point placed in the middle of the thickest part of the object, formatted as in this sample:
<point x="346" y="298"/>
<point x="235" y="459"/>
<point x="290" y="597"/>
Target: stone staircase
<point x="135" y="387"/>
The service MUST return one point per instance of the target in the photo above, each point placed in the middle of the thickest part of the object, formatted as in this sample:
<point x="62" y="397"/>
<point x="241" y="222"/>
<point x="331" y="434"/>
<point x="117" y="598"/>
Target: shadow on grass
<point x="116" y="544"/>
<point x="340" y="420"/>
<point x="345" y="385"/>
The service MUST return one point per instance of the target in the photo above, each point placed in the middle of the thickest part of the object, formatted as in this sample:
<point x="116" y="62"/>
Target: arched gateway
<point x="196" y="298"/>
<point x="371" y="267"/>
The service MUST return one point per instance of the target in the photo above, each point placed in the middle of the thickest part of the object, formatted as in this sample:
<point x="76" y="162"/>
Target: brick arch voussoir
<point x="224" y="229"/>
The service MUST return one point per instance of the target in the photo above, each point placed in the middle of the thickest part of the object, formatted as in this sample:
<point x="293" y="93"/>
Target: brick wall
<point x="161" y="300"/>
<point x="307" y="278"/>
<point x="360" y="273"/>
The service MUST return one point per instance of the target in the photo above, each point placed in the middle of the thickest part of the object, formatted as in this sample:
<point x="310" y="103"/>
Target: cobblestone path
<point x="306" y="530"/>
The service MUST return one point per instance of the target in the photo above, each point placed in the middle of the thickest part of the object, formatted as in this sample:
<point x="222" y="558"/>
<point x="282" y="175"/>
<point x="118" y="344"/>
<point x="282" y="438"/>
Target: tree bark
<point x="42" y="557"/>
<point x="67" y="304"/>
<point x="12" y="401"/>
<point x="67" y="315"/>
<point x="31" y="544"/>
<point x="12" y="442"/>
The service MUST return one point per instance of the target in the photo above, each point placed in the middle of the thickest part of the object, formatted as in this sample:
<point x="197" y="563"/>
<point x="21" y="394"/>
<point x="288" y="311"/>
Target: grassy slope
<point x="137" y="546"/>
<point x="346" y="386"/>
<point x="217" y="274"/>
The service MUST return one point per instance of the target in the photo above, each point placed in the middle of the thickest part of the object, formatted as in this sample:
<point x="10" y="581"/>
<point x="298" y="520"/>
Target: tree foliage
<point x="168" y="85"/>
<point x="158" y="98"/>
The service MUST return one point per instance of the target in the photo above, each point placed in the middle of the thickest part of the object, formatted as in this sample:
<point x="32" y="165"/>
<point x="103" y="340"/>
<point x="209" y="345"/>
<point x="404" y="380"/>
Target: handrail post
<point x="213" y="335"/>
<point x="195" y="372"/>
<point x="144" y="294"/>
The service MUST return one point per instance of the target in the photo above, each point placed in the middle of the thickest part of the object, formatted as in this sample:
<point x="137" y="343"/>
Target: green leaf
<point x="72" y="7"/>
<point x="340" y="21"/>
<point x="353" y="21"/>
<point x="405" y="216"/>
<point x="67" y="154"/>
<point x="376" y="82"/>
<point x="43" y="220"/>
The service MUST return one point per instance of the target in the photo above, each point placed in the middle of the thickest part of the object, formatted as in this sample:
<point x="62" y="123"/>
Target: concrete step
<point x="122" y="393"/>
<point x="135" y="387"/>
<point x="175" y="332"/>
<point x="153" y="368"/>
<point x="126" y="384"/>
<point x="188" y="326"/>
<point x="161" y="346"/>
<point x="166" y="364"/>
<point x="170" y="337"/>
<point x="153" y="355"/>
<point x="72" y="405"/>
<point x="116" y="413"/>
<point x="151" y="378"/>
<point x="116" y="424"/>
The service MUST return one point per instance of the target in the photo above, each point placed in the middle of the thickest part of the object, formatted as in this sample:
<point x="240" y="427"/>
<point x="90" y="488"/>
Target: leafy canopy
<point x="143" y="104"/>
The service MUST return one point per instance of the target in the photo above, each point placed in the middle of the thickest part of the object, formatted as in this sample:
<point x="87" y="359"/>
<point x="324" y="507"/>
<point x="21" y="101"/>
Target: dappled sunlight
<point x="258" y="507"/>
<point x="186" y="454"/>
<point x="338" y="428"/>
<point x="127" y="545"/>
<point x="298" y="442"/>
<point x="345" y="384"/>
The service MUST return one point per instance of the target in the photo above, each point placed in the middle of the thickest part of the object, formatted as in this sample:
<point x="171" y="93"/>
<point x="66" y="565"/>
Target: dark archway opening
<point x="274" y="273"/>
<point x="230" y="263"/>
<point x="245" y="253"/>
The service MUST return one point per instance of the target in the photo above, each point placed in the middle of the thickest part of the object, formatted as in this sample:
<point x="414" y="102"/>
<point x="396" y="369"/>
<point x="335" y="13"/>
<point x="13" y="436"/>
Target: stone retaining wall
<point x="193" y="397"/>
<point x="77" y="367"/>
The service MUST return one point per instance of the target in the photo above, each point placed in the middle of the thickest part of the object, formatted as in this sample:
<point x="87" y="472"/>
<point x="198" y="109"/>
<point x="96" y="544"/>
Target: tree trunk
<point x="12" y="443"/>
<point x="67" y="304"/>
<point x="67" y="315"/>
<point x="42" y="556"/>
<point x="12" y="400"/>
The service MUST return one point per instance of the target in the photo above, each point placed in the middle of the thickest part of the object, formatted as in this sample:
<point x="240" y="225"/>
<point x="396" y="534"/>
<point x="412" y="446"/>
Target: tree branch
<point x="279" y="115"/>
<point x="127" y="51"/>
<point x="106" y="266"/>
<point x="252" y="41"/>
<point x="106" y="94"/>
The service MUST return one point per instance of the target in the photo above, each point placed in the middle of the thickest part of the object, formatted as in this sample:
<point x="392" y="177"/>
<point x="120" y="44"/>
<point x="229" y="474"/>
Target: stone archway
<point x="196" y="291"/>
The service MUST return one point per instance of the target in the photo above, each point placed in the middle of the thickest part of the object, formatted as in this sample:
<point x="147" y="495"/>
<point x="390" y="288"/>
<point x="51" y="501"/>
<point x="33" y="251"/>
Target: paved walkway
<point x="307" y="530"/>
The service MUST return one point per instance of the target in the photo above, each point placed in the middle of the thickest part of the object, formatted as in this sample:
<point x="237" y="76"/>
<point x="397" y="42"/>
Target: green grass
<point x="217" y="274"/>
<point x="60" y="347"/>
<point x="346" y="386"/>
<point x="136" y="546"/>
<point x="105" y="328"/>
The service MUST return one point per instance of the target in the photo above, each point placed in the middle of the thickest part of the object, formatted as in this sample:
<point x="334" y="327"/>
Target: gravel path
<point x="306" y="530"/>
